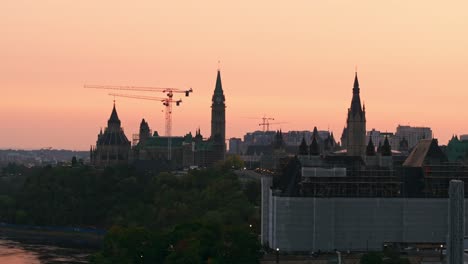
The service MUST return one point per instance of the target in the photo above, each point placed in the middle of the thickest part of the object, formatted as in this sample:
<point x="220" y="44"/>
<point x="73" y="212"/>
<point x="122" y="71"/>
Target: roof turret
<point x="303" y="149"/>
<point x="370" y="150"/>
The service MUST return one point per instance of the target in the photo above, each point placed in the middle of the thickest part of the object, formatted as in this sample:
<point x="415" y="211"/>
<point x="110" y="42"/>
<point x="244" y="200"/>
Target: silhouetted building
<point x="359" y="198"/>
<point x="156" y="152"/>
<point x="218" y="115"/>
<point x="112" y="146"/>
<point x="356" y="124"/>
<point x="235" y="146"/>
<point x="404" y="145"/>
<point x="386" y="149"/>
<point x="412" y="134"/>
<point x="213" y="150"/>
<point x="145" y="131"/>
<point x="303" y="148"/>
<point x="187" y="150"/>
<point x="457" y="149"/>
<point x="370" y="150"/>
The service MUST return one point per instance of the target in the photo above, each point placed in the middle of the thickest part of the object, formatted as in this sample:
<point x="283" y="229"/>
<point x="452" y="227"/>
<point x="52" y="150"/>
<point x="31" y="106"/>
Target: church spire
<point x="218" y="92"/>
<point x="356" y="82"/>
<point x="114" y="118"/>
<point x="303" y="148"/>
<point x="356" y="124"/>
<point x="370" y="150"/>
<point x="218" y="116"/>
<point x="356" y="101"/>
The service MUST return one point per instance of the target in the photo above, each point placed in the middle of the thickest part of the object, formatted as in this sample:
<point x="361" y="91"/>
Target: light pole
<point x="277" y="255"/>
<point x="441" y="249"/>
<point x="338" y="255"/>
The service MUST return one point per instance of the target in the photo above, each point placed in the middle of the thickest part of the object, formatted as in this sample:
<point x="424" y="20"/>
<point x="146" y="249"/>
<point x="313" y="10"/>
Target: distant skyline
<point x="291" y="61"/>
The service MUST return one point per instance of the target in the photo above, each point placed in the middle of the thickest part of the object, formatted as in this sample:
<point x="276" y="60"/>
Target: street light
<point x="338" y="256"/>
<point x="441" y="249"/>
<point x="277" y="255"/>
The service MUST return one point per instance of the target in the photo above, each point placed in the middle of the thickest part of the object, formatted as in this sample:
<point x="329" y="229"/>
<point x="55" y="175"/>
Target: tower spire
<point x="356" y="124"/>
<point x="356" y="83"/>
<point x="356" y="107"/>
<point x="218" y="115"/>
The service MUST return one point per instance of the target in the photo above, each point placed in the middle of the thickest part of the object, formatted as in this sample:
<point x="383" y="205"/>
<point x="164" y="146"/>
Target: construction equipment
<point x="267" y="124"/>
<point x="141" y="89"/>
<point x="167" y="102"/>
<point x="265" y="121"/>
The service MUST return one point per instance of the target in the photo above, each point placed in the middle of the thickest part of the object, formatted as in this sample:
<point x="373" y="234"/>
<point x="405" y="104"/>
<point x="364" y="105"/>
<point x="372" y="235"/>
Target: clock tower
<point x="218" y="114"/>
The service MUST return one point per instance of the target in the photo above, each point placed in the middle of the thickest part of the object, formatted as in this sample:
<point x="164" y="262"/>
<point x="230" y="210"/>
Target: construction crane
<point x="167" y="102"/>
<point x="265" y="121"/>
<point x="141" y="89"/>
<point x="267" y="124"/>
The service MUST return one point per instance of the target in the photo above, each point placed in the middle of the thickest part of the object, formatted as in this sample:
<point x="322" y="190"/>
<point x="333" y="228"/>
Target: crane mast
<point x="266" y="123"/>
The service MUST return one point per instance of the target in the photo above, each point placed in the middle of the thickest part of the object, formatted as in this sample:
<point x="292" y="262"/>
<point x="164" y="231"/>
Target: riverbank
<point x="13" y="252"/>
<point x="63" y="237"/>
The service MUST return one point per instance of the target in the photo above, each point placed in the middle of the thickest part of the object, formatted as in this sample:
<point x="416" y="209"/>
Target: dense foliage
<point x="200" y="216"/>
<point x="388" y="256"/>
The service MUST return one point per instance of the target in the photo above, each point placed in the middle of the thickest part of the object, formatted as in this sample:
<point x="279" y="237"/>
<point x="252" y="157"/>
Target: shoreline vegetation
<point x="201" y="216"/>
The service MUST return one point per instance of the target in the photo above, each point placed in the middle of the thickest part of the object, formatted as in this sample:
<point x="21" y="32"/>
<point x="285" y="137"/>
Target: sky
<point x="290" y="60"/>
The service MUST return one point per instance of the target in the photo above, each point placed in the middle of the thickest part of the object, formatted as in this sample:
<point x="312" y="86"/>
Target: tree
<point x="233" y="162"/>
<point x="372" y="258"/>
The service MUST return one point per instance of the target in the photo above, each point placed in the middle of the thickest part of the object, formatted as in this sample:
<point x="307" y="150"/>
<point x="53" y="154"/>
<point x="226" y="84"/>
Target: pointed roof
<point x="403" y="144"/>
<point x="144" y="127"/>
<point x="370" y="150"/>
<point x="218" y="92"/>
<point x="303" y="149"/>
<point x="219" y="86"/>
<point x="356" y="101"/>
<point x="114" y="118"/>
<point x="427" y="150"/>
<point x="314" y="147"/>
<point x="386" y="149"/>
<point x="315" y="132"/>
<point x="356" y="81"/>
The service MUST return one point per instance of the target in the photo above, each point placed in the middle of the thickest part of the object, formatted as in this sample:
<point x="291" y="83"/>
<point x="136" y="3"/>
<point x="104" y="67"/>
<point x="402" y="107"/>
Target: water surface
<point x="12" y="252"/>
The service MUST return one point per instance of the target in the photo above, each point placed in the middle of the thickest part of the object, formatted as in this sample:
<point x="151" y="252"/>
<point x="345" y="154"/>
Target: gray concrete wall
<point x="310" y="224"/>
<point x="266" y="182"/>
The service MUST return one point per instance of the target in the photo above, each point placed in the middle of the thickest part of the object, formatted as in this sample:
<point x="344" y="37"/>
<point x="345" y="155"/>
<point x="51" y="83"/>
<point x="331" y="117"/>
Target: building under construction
<point x="360" y="197"/>
<point x="152" y="151"/>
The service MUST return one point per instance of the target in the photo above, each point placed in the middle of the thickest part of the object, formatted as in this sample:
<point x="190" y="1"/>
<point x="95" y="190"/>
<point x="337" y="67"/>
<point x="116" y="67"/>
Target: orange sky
<point x="293" y="60"/>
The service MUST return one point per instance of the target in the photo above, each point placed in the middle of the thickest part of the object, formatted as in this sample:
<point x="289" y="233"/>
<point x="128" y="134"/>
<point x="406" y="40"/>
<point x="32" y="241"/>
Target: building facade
<point x="295" y="224"/>
<point x="154" y="151"/>
<point x="362" y="197"/>
<point x="112" y="146"/>
<point x="456" y="222"/>
<point x="218" y="114"/>
<point x="411" y="134"/>
<point x="457" y="149"/>
<point x="356" y="124"/>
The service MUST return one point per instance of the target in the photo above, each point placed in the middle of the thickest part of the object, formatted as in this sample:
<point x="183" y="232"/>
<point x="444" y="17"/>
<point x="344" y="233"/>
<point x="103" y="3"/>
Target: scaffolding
<point x="365" y="183"/>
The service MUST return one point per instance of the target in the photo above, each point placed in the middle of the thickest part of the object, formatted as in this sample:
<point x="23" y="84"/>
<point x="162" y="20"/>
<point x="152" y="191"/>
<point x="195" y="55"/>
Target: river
<point x="12" y="252"/>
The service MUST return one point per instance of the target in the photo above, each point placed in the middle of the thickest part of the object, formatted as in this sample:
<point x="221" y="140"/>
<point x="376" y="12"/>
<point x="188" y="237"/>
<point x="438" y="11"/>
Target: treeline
<point x="204" y="215"/>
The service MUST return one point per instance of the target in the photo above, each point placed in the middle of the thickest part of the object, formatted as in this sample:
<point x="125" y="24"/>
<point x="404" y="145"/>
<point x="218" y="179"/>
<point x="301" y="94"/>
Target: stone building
<point x="112" y="146"/>
<point x="356" y="124"/>
<point x="188" y="150"/>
